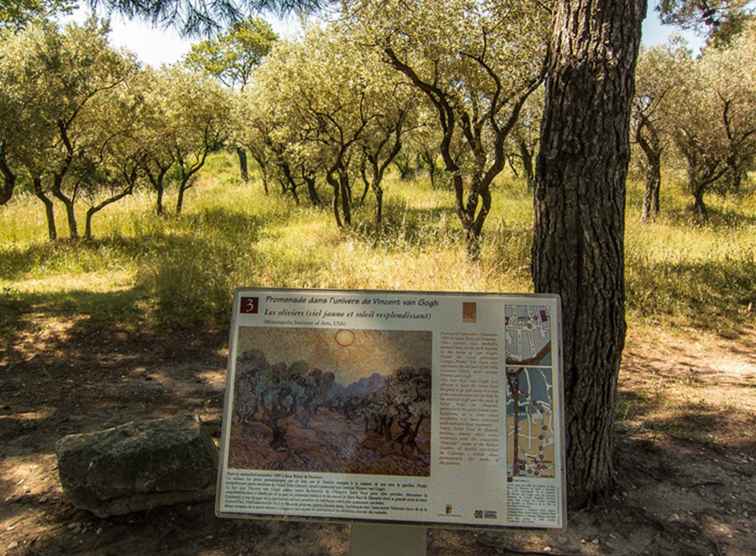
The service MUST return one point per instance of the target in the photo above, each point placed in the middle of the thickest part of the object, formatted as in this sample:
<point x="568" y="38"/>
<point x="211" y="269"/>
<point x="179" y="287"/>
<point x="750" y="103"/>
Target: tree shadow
<point x="403" y="225"/>
<point x="718" y="218"/>
<point x="152" y="239"/>
<point x="709" y="295"/>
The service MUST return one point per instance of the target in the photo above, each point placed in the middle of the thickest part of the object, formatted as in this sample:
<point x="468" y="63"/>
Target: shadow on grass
<point x="154" y="237"/>
<point x="711" y="295"/>
<point x="717" y="218"/>
<point x="403" y="225"/>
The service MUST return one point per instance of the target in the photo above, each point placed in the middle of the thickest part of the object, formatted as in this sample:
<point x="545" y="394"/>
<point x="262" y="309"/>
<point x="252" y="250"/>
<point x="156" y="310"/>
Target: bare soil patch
<point x="686" y="451"/>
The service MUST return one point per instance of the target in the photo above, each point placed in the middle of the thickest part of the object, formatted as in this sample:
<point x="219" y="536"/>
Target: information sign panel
<point x="413" y="407"/>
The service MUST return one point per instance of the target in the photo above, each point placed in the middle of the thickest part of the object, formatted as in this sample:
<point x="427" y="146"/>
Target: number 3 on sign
<point x="249" y="305"/>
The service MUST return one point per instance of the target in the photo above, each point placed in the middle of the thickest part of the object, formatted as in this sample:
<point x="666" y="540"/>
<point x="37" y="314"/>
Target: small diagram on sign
<point x="530" y="423"/>
<point x="527" y="334"/>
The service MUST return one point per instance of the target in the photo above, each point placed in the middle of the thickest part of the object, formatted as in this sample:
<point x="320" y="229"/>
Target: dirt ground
<point x="686" y="449"/>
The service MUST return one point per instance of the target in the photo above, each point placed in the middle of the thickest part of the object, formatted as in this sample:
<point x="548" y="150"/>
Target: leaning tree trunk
<point x="527" y="163"/>
<point x="346" y="197"/>
<point x="578" y="249"/>
<point x="68" y="203"/>
<point x="9" y="181"/>
<point x="651" y="193"/>
<point x="312" y="191"/>
<point x="52" y="232"/>
<point x="699" y="206"/>
<point x="91" y="211"/>
<point x="243" y="166"/>
<point x="180" y="198"/>
<point x="159" y="201"/>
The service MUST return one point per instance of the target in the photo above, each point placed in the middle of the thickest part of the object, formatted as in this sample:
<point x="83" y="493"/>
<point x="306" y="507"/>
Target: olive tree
<point x="61" y="82"/>
<point x="714" y="117"/>
<point x="111" y="166"/>
<point x="263" y="127"/>
<point x="231" y="57"/>
<point x="26" y="138"/>
<point x="476" y="63"/>
<point x="335" y="98"/>
<point x="155" y="133"/>
<point x="196" y="118"/>
<point x="657" y="75"/>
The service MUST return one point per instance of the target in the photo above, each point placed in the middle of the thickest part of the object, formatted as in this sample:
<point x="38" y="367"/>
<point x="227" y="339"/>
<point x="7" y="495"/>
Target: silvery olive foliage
<point x="712" y="117"/>
<point x="321" y="104"/>
<point x="475" y="62"/>
<point x="83" y="124"/>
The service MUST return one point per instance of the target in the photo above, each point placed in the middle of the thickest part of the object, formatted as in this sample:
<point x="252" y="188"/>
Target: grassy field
<point x="146" y="271"/>
<point x="132" y="326"/>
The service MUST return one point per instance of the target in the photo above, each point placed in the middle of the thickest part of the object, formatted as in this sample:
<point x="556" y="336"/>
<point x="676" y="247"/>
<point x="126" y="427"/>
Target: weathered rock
<point x="138" y="466"/>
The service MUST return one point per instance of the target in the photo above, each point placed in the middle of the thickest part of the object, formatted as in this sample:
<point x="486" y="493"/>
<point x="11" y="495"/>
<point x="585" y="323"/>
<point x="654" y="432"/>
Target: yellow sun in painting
<point x="345" y="338"/>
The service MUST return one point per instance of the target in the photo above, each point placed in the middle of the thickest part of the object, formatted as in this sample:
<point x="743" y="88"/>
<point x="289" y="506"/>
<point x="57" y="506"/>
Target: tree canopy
<point x="196" y="17"/>
<point x="232" y="56"/>
<point x="719" y="20"/>
<point x="16" y="14"/>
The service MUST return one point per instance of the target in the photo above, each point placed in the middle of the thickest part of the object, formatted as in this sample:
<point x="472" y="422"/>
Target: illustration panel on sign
<point x="530" y="422"/>
<point x="527" y="334"/>
<point x="338" y="401"/>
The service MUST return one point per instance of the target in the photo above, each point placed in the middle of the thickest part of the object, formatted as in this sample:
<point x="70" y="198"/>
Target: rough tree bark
<point x="68" y="203"/>
<point x="578" y="249"/>
<point x="312" y="191"/>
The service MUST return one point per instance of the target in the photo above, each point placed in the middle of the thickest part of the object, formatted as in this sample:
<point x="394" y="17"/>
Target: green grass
<point x="173" y="272"/>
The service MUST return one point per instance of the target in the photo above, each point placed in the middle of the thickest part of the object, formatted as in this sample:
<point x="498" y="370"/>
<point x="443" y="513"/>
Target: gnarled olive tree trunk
<point x="243" y="166"/>
<point x="647" y="137"/>
<point x="9" y="179"/>
<point x="39" y="192"/>
<point x="578" y="249"/>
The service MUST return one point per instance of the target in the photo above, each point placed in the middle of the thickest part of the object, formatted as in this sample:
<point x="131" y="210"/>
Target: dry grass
<point x="182" y="271"/>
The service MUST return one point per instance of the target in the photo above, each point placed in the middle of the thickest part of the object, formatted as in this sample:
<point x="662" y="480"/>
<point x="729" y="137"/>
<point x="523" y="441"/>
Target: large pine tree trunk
<point x="578" y="249"/>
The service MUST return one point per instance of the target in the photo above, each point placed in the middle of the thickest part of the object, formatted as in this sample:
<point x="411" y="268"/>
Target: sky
<point x="156" y="46"/>
<point x="349" y="354"/>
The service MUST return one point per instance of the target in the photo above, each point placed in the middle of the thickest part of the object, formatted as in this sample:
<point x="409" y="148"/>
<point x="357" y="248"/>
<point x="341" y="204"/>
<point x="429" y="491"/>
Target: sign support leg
<point x="380" y="539"/>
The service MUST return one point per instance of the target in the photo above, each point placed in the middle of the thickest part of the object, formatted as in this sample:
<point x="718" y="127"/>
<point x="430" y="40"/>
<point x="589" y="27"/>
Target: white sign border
<point x="226" y="429"/>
